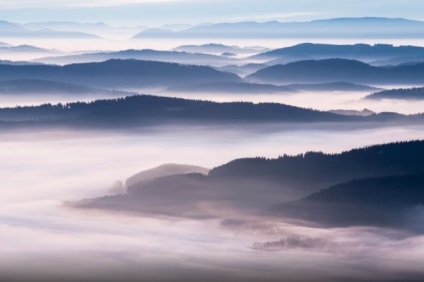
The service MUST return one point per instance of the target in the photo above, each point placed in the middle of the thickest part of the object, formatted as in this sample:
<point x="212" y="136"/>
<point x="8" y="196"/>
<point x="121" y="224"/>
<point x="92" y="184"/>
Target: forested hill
<point x="142" y="109"/>
<point x="416" y="93"/>
<point x="119" y="74"/>
<point x="392" y="201"/>
<point x="315" y="169"/>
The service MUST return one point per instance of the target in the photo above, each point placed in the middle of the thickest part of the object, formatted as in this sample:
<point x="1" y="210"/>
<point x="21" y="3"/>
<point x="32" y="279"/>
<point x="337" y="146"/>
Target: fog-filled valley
<point x="62" y="168"/>
<point x="231" y="150"/>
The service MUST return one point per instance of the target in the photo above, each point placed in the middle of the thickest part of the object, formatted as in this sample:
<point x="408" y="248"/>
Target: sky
<point x="160" y="12"/>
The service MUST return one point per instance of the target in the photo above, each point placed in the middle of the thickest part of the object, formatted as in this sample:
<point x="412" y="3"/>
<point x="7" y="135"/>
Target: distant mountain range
<point x="399" y="94"/>
<point x="114" y="74"/>
<point x="148" y="55"/>
<point x="363" y="52"/>
<point x="379" y="185"/>
<point x="375" y="28"/>
<point x="3" y="45"/>
<point x="26" y="49"/>
<point x="330" y="70"/>
<point x="12" y="30"/>
<point x="98" y="29"/>
<point x="218" y="49"/>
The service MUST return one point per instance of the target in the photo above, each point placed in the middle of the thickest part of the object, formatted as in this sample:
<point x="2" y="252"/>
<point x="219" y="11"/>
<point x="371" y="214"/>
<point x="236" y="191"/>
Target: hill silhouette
<point x="43" y="87"/>
<point x="249" y="185"/>
<point x="146" y="55"/>
<point x="368" y="27"/>
<point x="12" y="30"/>
<point x="400" y="94"/>
<point x="361" y="52"/>
<point x="147" y="110"/>
<point x="383" y="202"/>
<point x="332" y="86"/>
<point x="118" y="74"/>
<point x="315" y="170"/>
<point x="232" y="87"/>
<point x="142" y="110"/>
<point x="243" y="70"/>
<point x="330" y="70"/>
<point x="214" y="48"/>
<point x="164" y="170"/>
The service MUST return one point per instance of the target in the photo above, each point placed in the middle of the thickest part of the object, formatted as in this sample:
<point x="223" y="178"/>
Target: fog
<point x="43" y="237"/>
<point x="327" y="100"/>
<point x="320" y="100"/>
<point x="44" y="172"/>
<point x="93" y="45"/>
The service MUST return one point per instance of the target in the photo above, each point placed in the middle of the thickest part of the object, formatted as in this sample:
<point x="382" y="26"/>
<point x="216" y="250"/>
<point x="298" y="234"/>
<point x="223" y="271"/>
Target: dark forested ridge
<point x="330" y="70"/>
<point x="257" y="183"/>
<point x="318" y="170"/>
<point x="401" y="94"/>
<point x="385" y="201"/>
<point x="144" y="109"/>
<point x="119" y="74"/>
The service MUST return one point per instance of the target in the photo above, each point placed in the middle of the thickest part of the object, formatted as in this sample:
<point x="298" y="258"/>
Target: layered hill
<point x="393" y="201"/>
<point x="399" y="94"/>
<point x="369" y="27"/>
<point x="119" y="74"/>
<point x="146" y="55"/>
<point x="331" y="70"/>
<point x="360" y="52"/>
<point x="249" y="185"/>
<point x="142" y="110"/>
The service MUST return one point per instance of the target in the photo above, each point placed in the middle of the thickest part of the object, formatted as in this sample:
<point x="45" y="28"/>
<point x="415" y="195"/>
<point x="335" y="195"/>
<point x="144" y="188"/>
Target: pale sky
<point x="159" y="12"/>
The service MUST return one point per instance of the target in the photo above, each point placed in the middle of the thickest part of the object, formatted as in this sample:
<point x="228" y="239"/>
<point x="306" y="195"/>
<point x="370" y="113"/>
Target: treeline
<point x="402" y="93"/>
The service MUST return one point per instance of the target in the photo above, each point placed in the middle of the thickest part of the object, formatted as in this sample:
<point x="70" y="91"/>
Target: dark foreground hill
<point x="394" y="201"/>
<point x="249" y="185"/>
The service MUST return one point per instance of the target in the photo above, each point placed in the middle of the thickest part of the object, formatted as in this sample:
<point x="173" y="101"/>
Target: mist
<point x="44" y="171"/>
<point x="324" y="101"/>
<point x="104" y="177"/>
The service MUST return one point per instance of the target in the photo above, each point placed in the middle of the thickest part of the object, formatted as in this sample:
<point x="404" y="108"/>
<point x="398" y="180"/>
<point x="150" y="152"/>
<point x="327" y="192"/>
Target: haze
<point x="211" y="140"/>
